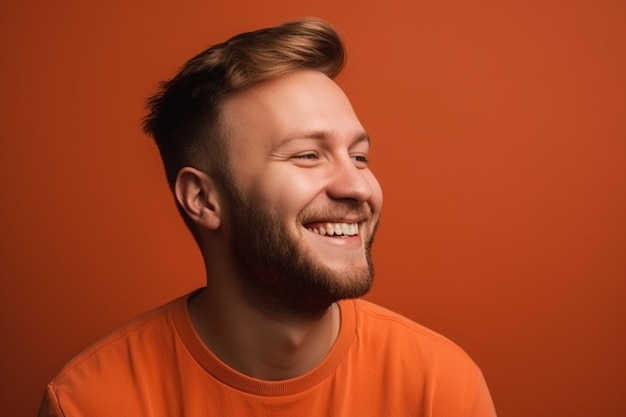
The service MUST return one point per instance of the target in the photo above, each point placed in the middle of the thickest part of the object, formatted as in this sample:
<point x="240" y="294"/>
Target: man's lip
<point x="360" y="215"/>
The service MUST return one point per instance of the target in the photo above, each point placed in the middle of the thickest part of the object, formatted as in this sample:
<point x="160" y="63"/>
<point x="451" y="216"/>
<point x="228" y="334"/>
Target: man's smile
<point x="334" y="229"/>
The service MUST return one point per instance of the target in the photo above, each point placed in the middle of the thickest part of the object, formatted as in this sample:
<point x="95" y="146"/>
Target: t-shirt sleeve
<point x="50" y="405"/>
<point x="480" y="403"/>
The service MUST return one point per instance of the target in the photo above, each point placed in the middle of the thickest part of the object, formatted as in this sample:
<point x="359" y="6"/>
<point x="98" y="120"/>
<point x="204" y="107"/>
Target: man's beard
<point x="279" y="275"/>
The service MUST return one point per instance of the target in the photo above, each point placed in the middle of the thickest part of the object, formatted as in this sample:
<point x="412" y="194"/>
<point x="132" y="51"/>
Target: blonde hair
<point x="252" y="57"/>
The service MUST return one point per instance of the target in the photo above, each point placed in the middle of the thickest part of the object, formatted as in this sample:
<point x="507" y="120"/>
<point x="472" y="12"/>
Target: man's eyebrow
<point x="320" y="135"/>
<point x="362" y="137"/>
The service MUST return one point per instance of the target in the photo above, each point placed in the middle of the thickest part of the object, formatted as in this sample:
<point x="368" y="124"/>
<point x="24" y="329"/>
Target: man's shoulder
<point x="126" y="364"/>
<point x="123" y="345"/>
<point x="418" y="360"/>
<point x="380" y="325"/>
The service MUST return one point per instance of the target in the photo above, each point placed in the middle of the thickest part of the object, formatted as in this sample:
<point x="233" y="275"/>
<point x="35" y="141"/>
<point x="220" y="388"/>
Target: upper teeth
<point x="337" y="229"/>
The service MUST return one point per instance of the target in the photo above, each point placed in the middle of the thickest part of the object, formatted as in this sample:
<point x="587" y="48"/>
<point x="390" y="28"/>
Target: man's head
<point x="184" y="116"/>
<point x="268" y="129"/>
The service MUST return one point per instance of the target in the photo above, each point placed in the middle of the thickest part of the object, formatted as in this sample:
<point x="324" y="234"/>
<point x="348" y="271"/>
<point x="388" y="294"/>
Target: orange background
<point x="499" y="132"/>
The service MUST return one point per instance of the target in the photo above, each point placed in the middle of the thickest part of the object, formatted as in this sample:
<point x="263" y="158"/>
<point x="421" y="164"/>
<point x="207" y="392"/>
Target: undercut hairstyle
<point x="184" y="115"/>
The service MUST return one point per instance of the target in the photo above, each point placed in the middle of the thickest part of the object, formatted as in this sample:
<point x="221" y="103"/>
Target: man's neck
<point x="255" y="344"/>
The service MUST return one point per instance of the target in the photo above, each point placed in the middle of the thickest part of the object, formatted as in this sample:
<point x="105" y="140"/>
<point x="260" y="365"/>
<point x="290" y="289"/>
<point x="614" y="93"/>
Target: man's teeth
<point x="336" y="229"/>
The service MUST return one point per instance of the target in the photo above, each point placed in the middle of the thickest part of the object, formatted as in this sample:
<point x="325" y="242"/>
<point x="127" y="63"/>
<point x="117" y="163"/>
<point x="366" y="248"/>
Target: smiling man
<point x="268" y="164"/>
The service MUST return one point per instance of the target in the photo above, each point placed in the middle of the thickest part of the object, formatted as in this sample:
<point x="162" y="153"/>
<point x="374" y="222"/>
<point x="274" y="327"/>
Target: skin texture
<point x="298" y="164"/>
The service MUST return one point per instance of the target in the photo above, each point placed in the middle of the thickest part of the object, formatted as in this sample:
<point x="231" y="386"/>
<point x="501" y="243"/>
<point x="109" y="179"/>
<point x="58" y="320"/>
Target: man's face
<point x="304" y="204"/>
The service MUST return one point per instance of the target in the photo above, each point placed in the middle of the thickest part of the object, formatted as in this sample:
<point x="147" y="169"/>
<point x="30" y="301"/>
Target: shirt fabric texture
<point x="382" y="364"/>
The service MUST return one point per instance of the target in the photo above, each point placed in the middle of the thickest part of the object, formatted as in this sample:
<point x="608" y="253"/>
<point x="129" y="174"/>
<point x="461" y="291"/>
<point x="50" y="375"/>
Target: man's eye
<point x="306" y="156"/>
<point x="361" y="158"/>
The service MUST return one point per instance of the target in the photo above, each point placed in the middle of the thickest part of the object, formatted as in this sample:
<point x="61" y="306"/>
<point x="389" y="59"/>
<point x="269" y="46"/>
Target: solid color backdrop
<point x="499" y="136"/>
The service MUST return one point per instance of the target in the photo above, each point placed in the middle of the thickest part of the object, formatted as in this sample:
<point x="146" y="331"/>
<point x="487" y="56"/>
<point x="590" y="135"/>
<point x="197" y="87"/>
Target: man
<point x="268" y="165"/>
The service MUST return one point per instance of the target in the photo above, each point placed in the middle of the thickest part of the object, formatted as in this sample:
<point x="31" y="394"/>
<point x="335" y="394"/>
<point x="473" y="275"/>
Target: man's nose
<point x="348" y="181"/>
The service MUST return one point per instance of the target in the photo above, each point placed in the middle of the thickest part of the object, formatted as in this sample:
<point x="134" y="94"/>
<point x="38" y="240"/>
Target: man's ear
<point x="197" y="194"/>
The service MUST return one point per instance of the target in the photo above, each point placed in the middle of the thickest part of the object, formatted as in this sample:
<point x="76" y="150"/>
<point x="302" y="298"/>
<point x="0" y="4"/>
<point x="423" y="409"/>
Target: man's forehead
<point x="293" y="87"/>
<point x="305" y="104"/>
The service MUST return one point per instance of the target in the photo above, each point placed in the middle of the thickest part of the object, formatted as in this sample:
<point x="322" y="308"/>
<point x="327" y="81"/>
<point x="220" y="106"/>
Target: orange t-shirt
<point x="382" y="364"/>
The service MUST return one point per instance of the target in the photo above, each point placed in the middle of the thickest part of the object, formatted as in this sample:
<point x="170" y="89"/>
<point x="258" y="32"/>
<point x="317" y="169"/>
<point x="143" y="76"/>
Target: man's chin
<point x="317" y="291"/>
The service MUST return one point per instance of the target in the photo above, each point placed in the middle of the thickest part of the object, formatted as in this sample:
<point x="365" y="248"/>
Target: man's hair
<point x="183" y="116"/>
